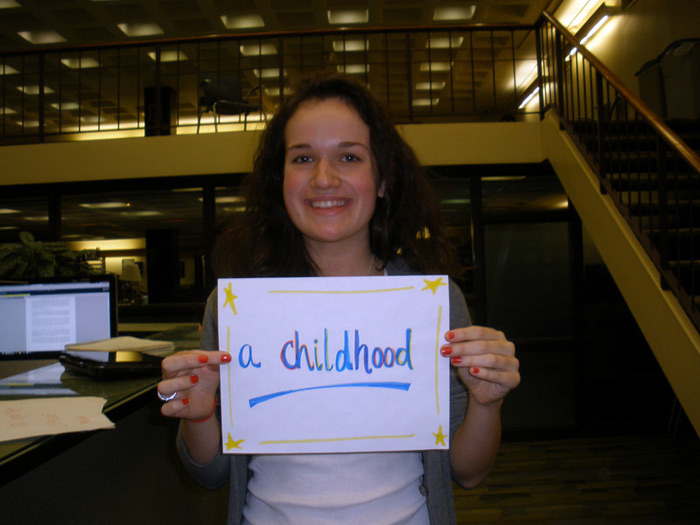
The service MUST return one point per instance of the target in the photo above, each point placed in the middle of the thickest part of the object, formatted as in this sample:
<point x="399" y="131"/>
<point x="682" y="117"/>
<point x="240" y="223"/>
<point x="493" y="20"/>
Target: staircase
<point x="659" y="198"/>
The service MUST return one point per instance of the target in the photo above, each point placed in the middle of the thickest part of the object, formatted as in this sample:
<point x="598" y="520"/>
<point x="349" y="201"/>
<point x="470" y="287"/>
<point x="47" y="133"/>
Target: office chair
<point x="224" y="96"/>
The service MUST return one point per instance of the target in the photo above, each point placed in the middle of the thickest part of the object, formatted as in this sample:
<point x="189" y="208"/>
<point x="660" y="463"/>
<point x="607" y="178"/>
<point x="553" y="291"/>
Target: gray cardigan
<point x="437" y="478"/>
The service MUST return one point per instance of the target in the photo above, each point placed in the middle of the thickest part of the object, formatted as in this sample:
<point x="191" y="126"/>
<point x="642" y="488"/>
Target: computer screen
<point x="39" y="318"/>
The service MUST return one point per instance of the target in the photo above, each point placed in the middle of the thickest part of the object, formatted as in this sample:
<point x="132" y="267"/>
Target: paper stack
<point x="118" y="348"/>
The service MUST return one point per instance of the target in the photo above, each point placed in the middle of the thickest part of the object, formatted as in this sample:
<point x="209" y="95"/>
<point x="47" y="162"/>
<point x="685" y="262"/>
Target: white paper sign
<point x="342" y="364"/>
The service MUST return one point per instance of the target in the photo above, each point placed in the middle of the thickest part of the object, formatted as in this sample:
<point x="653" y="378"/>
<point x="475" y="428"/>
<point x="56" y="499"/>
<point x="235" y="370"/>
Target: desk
<point x="127" y="475"/>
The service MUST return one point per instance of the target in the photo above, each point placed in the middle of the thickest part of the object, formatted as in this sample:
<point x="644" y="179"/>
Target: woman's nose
<point x="324" y="175"/>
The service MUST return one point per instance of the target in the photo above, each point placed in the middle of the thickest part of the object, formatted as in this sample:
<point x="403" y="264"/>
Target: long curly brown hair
<point x="263" y="241"/>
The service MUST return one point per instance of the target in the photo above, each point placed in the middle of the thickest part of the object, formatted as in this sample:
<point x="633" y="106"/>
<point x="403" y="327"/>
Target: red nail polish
<point x="475" y="370"/>
<point x="456" y="360"/>
<point x="450" y="336"/>
<point x="185" y="400"/>
<point x="226" y="358"/>
<point x="202" y="358"/>
<point x="194" y="379"/>
<point x="446" y="350"/>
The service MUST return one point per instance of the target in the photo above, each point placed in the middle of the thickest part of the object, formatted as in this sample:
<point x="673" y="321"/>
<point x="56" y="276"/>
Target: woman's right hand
<point x="194" y="377"/>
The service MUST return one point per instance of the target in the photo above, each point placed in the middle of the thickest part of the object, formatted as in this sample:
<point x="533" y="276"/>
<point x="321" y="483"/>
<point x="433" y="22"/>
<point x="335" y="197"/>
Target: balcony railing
<point x="150" y="88"/>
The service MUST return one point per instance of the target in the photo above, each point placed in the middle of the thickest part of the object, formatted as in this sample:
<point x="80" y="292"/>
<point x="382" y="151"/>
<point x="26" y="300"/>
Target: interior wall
<point x="641" y="32"/>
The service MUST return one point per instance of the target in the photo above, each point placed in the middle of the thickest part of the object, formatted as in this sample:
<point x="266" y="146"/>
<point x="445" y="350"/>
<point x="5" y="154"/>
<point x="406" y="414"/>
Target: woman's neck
<point x="334" y="263"/>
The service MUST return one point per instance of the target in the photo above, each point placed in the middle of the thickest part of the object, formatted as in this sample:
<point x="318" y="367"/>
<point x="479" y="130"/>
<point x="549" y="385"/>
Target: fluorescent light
<point x="80" y="63"/>
<point x="7" y="211"/>
<point x="34" y="89"/>
<point x="275" y="91"/>
<point x="41" y="37"/>
<point x="7" y="70"/>
<point x="529" y="97"/>
<point x="451" y="14"/>
<point x="594" y="29"/>
<point x="104" y="205"/>
<point x="144" y="213"/>
<point x="134" y="30"/>
<point x="243" y="22"/>
<point x="348" y="16"/>
<point x="436" y="67"/>
<point x="421" y="102"/>
<point x="428" y="86"/>
<point x="7" y="111"/>
<point x="350" y="45"/>
<point x="353" y="69"/>
<point x="8" y="4"/>
<point x="169" y="56"/>
<point x="65" y="106"/>
<point x="258" y="50"/>
<point x="444" y="42"/>
<point x="272" y="72"/>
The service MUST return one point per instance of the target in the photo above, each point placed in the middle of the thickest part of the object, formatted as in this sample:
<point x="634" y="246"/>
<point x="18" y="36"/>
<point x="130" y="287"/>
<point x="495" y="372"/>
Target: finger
<point x="183" y="383"/>
<point x="184" y="362"/>
<point x="474" y="333"/>
<point x="480" y="347"/>
<point x="490" y="361"/>
<point x="507" y="380"/>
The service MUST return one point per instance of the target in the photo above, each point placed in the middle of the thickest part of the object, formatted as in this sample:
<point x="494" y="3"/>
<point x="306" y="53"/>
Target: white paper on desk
<point x="53" y="415"/>
<point x="343" y="364"/>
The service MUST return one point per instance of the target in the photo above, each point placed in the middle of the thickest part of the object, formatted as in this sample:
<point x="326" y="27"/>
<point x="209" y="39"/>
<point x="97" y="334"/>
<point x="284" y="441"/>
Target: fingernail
<point x="202" y="358"/>
<point x="475" y="370"/>
<point x="185" y="400"/>
<point x="194" y="379"/>
<point x="226" y="358"/>
<point x="456" y="360"/>
<point x="446" y="350"/>
<point x="450" y="336"/>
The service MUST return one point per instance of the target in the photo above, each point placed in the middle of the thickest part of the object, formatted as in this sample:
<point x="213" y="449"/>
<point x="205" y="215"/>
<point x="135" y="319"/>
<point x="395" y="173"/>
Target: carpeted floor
<point x="628" y="480"/>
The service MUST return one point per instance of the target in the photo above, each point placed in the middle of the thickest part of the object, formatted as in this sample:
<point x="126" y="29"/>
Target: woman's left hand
<point x="485" y="360"/>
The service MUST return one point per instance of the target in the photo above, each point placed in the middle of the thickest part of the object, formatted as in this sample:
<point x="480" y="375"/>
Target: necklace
<point x="371" y="265"/>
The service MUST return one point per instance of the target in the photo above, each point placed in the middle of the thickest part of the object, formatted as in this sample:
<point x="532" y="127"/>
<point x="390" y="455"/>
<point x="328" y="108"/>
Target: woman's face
<point x="330" y="180"/>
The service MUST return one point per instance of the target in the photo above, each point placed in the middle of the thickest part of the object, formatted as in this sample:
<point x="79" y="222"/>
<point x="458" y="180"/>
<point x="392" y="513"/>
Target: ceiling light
<point x="353" y="69"/>
<point x="8" y="4"/>
<point x="348" y="16"/>
<point x="169" y="56"/>
<point x="436" y="67"/>
<point x="272" y="72"/>
<point x="7" y="211"/>
<point x="27" y="123"/>
<point x="528" y="98"/>
<point x="340" y="46"/>
<point x="65" y="106"/>
<point x="144" y="213"/>
<point x="134" y="30"/>
<point x="41" y="218"/>
<point x="444" y="42"/>
<point x="428" y="86"/>
<point x="104" y="205"/>
<point x="41" y="37"/>
<point x="275" y="91"/>
<point x="453" y="14"/>
<point x="243" y="22"/>
<point x="258" y="50"/>
<point x="419" y="102"/>
<point x="7" y="111"/>
<point x="34" y="89"/>
<point x="80" y="63"/>
<point x="7" y="70"/>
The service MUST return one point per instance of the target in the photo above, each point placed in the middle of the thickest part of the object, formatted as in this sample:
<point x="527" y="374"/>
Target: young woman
<point x="335" y="191"/>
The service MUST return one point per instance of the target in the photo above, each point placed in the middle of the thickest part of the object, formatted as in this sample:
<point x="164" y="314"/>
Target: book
<point x="122" y="348"/>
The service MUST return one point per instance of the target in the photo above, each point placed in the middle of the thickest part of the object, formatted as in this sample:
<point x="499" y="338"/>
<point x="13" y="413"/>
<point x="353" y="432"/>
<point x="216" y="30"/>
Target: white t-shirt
<point x="376" y="488"/>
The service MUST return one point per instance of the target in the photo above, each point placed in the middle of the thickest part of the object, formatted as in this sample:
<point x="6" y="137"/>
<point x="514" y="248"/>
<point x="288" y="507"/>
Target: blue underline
<point x="397" y="386"/>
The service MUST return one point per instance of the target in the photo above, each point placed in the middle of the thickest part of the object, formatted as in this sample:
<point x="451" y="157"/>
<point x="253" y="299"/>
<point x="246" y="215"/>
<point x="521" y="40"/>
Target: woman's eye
<point x="349" y="157"/>
<point x="301" y="159"/>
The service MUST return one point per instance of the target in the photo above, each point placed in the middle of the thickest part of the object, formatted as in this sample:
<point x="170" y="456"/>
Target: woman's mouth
<point x="328" y="203"/>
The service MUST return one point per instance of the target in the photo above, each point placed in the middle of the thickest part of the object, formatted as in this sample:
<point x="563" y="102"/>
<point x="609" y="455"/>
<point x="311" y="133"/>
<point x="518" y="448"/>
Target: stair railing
<point x="650" y="173"/>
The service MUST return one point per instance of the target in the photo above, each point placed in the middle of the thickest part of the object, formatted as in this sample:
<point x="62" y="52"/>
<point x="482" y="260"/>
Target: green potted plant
<point x="30" y="258"/>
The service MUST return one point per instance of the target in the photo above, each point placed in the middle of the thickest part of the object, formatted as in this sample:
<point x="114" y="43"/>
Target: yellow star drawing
<point x="433" y="285"/>
<point x="233" y="444"/>
<point x="440" y="437"/>
<point x="230" y="297"/>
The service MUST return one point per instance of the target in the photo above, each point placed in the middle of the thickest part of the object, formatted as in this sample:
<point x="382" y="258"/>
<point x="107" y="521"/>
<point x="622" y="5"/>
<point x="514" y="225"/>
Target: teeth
<point x="327" y="204"/>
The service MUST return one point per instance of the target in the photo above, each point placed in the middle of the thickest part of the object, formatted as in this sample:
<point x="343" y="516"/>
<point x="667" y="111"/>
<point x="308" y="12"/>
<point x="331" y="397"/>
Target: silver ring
<point x="166" y="398"/>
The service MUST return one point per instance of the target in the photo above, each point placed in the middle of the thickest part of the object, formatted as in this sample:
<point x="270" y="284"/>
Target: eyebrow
<point x="345" y="144"/>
